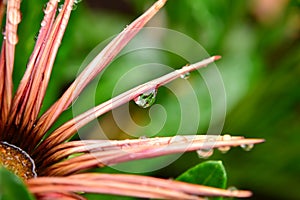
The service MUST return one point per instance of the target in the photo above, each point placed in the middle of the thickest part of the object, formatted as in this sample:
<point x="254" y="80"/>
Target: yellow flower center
<point x="16" y="160"/>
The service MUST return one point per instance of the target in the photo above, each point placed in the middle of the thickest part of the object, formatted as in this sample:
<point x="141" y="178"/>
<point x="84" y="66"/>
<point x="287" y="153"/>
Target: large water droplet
<point x="146" y="99"/>
<point x="14" y="16"/>
<point x="205" y="153"/>
<point x="247" y="147"/>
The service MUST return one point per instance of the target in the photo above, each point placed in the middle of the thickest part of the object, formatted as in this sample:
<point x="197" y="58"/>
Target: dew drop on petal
<point x="185" y="76"/>
<point x="247" y="147"/>
<point x="60" y="7"/>
<point x="14" y="16"/>
<point x="143" y="137"/>
<point x="146" y="99"/>
<point x="226" y="137"/>
<point x="232" y="189"/>
<point x="12" y="38"/>
<point x="36" y="36"/>
<point x="63" y="26"/>
<point x="45" y="6"/>
<point x="225" y="149"/>
<point x="132" y="156"/>
<point x="70" y="7"/>
<point x="205" y="153"/>
<point x="43" y="23"/>
<point x="157" y="144"/>
<point x="74" y="6"/>
<point x="48" y="8"/>
<point x="4" y="33"/>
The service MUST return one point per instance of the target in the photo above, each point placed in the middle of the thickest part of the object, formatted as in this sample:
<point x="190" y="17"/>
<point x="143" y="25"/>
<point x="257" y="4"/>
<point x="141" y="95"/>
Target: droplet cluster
<point x="13" y="19"/>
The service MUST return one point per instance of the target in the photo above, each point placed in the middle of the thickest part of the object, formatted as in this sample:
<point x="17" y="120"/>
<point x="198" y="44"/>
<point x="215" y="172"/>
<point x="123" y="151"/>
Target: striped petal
<point x="93" y="69"/>
<point x="129" y="185"/>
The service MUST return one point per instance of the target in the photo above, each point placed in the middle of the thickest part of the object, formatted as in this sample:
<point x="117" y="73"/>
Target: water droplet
<point x="60" y="7"/>
<point x="36" y="36"/>
<point x="157" y="144"/>
<point x="14" y="16"/>
<point x="205" y="153"/>
<point x="43" y="23"/>
<point x="224" y="149"/>
<point x="146" y="99"/>
<point x="48" y="8"/>
<point x="45" y="6"/>
<point x="178" y="139"/>
<point x="13" y="38"/>
<point x="74" y="6"/>
<point x="143" y="137"/>
<point x="232" y="189"/>
<point x="125" y="28"/>
<point x="63" y="26"/>
<point x="185" y="76"/>
<point x="70" y="7"/>
<point x="132" y="156"/>
<point x="226" y="137"/>
<point x="247" y="147"/>
<point x="4" y="34"/>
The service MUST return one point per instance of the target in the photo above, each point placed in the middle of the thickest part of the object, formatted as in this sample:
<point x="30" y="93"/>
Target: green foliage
<point x="11" y="187"/>
<point x="210" y="173"/>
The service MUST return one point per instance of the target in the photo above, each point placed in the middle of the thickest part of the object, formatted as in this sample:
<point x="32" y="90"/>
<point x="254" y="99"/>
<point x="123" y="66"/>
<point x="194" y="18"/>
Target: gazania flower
<point x="53" y="167"/>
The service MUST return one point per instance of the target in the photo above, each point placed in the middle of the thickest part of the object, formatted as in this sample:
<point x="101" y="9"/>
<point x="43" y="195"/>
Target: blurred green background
<point x="259" y="41"/>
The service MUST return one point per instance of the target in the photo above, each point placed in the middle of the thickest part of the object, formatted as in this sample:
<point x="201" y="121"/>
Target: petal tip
<point x="159" y="4"/>
<point x="217" y="57"/>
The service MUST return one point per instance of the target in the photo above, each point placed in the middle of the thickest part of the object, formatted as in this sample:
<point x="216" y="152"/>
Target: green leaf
<point x="11" y="187"/>
<point x="209" y="173"/>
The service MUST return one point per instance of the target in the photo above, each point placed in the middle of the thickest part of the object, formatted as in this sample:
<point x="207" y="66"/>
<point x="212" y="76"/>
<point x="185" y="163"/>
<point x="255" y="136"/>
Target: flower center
<point x="16" y="160"/>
